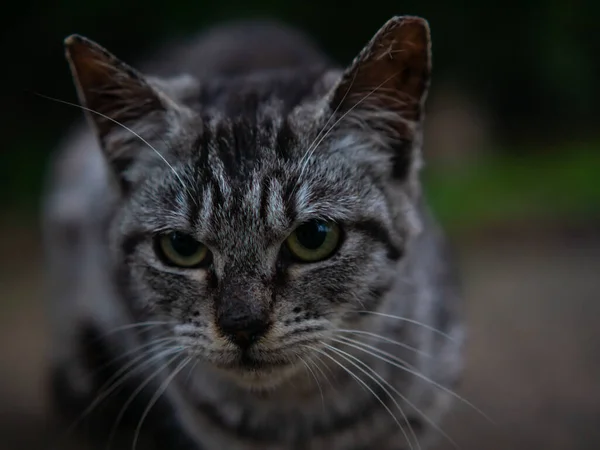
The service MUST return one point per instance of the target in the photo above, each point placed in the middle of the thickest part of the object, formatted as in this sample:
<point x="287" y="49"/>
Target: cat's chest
<point x="348" y="415"/>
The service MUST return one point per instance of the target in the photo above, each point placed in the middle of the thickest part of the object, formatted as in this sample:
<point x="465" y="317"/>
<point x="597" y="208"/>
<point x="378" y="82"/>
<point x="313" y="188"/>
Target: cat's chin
<point x="263" y="378"/>
<point x="266" y="381"/>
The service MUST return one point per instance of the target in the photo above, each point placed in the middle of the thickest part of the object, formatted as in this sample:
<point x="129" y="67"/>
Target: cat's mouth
<point x="255" y="371"/>
<point x="248" y="361"/>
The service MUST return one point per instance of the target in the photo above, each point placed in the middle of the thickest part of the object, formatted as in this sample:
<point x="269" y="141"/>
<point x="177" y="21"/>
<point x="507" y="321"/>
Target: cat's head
<point x="258" y="216"/>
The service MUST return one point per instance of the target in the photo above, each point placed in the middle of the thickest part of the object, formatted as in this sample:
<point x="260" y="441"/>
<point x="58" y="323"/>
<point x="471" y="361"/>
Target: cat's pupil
<point x="184" y="245"/>
<point x="312" y="235"/>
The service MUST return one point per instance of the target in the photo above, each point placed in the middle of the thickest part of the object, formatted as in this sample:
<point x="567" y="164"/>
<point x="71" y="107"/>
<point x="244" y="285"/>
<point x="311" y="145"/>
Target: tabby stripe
<point x="272" y="432"/>
<point x="216" y="190"/>
<point x="377" y="232"/>
<point x="225" y="149"/>
<point x="285" y="140"/>
<point x="265" y="188"/>
<point x="372" y="300"/>
<point x="402" y="159"/>
<point x="201" y="148"/>
<point x="131" y="242"/>
<point x="289" y="199"/>
<point x="193" y="207"/>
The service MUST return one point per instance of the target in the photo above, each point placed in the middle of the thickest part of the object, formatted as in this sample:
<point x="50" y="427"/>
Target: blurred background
<point x="513" y="172"/>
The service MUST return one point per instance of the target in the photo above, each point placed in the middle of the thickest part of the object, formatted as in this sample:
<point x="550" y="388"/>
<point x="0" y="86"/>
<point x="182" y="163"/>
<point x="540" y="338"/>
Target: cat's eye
<point x="314" y="240"/>
<point x="179" y="249"/>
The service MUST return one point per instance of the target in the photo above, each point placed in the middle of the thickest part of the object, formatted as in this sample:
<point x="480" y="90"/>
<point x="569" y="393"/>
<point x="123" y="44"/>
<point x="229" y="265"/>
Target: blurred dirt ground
<point x="533" y="307"/>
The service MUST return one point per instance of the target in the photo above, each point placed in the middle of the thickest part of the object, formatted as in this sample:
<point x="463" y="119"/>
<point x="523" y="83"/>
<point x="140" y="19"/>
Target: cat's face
<point x="259" y="235"/>
<point x="258" y="262"/>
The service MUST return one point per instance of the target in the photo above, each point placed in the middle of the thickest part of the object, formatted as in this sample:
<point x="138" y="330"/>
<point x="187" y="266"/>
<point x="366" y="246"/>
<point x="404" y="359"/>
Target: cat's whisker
<point x="375" y="377"/>
<point x="393" y="389"/>
<point x="351" y="342"/>
<point x="316" y="360"/>
<point x="115" y="382"/>
<point x="144" y="325"/>
<point x="402" y="366"/>
<point x="141" y="326"/>
<point x="385" y="339"/>
<point x="148" y="350"/>
<point x="411" y="321"/>
<point x="126" y="128"/>
<point x="309" y="149"/>
<point x="147" y="347"/>
<point x="160" y="391"/>
<point x="137" y="391"/>
<point x="191" y="371"/>
<point x="309" y="369"/>
<point x="365" y="385"/>
<point x="316" y="145"/>
<point x="331" y="116"/>
<point x="342" y="117"/>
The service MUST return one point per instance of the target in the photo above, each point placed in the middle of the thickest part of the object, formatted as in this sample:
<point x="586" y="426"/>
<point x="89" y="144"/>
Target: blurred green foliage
<point x="532" y="63"/>
<point x="536" y="185"/>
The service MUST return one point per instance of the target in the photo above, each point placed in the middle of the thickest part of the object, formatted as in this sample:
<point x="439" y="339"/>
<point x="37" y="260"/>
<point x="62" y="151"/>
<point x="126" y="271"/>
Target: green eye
<point x="178" y="249"/>
<point x="314" y="241"/>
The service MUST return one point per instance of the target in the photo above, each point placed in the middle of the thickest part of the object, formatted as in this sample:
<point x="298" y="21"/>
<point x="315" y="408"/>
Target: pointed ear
<point x="114" y="91"/>
<point x="124" y="107"/>
<point x="384" y="90"/>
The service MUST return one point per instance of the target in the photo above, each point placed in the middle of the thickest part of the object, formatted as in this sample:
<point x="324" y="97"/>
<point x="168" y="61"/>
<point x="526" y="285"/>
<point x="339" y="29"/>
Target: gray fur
<point x="238" y="160"/>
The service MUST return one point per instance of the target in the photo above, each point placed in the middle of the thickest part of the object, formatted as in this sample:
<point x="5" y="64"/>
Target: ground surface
<point x="533" y="359"/>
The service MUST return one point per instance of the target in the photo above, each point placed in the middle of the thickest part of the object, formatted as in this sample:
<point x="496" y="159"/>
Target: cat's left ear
<point x="381" y="95"/>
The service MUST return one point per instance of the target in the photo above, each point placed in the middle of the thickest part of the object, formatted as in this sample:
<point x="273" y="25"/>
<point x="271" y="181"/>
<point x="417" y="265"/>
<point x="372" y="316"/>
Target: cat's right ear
<point x="123" y="106"/>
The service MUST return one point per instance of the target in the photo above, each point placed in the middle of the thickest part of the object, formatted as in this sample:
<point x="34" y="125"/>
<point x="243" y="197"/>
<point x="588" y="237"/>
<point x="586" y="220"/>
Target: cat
<point x="239" y="254"/>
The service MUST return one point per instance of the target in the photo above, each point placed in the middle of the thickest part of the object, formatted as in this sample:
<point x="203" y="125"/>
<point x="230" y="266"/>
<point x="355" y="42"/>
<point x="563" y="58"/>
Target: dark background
<point x="513" y="153"/>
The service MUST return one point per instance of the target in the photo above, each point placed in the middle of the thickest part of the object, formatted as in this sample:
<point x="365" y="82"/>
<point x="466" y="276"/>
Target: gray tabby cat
<point x="239" y="255"/>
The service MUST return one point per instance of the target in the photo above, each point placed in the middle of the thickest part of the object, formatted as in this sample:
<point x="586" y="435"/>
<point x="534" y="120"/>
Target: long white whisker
<point x="309" y="150"/>
<point x="135" y="393"/>
<point x="309" y="369"/>
<point x="190" y="372"/>
<point x="340" y="119"/>
<point x="350" y="342"/>
<point x="160" y="391"/>
<point x="115" y="382"/>
<point x="129" y="326"/>
<point x="147" y="347"/>
<point x="365" y="385"/>
<point x="404" y="398"/>
<point x="417" y="374"/>
<point x="317" y="360"/>
<point x="386" y="339"/>
<point x="346" y="356"/>
<point x="412" y="321"/>
<point x="125" y="127"/>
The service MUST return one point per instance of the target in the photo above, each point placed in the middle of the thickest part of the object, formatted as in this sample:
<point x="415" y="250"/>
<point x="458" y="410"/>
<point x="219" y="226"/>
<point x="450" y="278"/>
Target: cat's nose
<point x="242" y="329"/>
